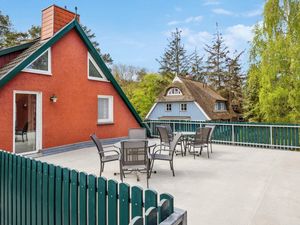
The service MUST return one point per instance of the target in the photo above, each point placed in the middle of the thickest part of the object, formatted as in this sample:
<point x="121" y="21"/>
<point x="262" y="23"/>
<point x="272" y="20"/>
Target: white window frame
<point x="43" y="72"/>
<point x="222" y="106"/>
<point x="110" y="118"/>
<point x="167" y="110"/>
<point x="97" y="68"/>
<point x="183" y="110"/>
<point x="174" y="91"/>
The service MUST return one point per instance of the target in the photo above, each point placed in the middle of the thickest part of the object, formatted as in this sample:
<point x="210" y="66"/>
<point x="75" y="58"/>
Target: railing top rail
<point x="225" y="123"/>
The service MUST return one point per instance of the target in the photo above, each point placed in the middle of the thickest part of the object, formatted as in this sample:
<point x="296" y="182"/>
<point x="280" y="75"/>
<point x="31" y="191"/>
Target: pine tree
<point x="197" y="67"/>
<point x="233" y="81"/>
<point x="105" y="56"/>
<point x="216" y="62"/>
<point x="175" y="60"/>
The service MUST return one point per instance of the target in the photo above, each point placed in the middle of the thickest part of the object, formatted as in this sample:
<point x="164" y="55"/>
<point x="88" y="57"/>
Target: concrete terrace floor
<point x="236" y="186"/>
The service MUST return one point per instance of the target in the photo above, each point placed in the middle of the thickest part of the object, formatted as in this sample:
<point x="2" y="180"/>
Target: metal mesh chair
<point x="200" y="140"/>
<point x="137" y="133"/>
<point x="157" y="154"/>
<point x="134" y="157"/>
<point x="102" y="153"/>
<point x="166" y="136"/>
<point x="23" y="132"/>
<point x="210" y="135"/>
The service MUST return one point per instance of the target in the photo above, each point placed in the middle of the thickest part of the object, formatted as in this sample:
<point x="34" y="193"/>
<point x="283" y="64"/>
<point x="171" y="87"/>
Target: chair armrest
<point x="105" y="151"/>
<point x="160" y="145"/>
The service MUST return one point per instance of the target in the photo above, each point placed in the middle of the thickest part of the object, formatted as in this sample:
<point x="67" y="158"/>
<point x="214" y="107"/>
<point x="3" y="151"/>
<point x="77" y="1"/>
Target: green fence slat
<point x="5" y="219"/>
<point x="102" y="202"/>
<point x="33" y="192"/>
<point x="66" y="197"/>
<point x="150" y="199"/>
<point x="74" y="197"/>
<point x="170" y="198"/>
<point x="39" y="194"/>
<point x="58" y="195"/>
<point x="28" y="191"/>
<point x="51" y="200"/>
<point x="91" y="200"/>
<point x="137" y="221"/>
<point x="10" y="189"/>
<point x="124" y="199"/>
<point x="112" y="191"/>
<point x="151" y="216"/>
<point x="163" y="210"/>
<point x="45" y="194"/>
<point x="23" y="191"/>
<point x="19" y="191"/>
<point x="14" y="189"/>
<point x="136" y="201"/>
<point x="82" y="198"/>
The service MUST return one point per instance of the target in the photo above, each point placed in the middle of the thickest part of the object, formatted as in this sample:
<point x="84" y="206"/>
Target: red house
<point x="56" y="90"/>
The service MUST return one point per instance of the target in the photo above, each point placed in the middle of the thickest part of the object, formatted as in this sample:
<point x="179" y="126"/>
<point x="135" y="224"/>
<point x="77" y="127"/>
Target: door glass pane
<point x="25" y="123"/>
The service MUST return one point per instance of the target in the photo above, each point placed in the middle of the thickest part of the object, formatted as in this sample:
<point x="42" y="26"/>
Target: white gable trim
<point x="199" y="107"/>
<point x="152" y="108"/>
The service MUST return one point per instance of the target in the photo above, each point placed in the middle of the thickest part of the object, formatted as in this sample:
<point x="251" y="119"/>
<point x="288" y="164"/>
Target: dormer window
<point x="94" y="72"/>
<point x="174" y="91"/>
<point x="41" y="65"/>
<point x="220" y="106"/>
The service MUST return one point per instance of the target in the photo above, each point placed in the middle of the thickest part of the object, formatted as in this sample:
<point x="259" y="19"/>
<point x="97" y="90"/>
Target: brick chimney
<point x="53" y="19"/>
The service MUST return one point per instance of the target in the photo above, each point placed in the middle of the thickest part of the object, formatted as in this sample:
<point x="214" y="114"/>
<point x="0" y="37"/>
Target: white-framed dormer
<point x="41" y="65"/>
<point x="93" y="70"/>
<point x="174" y="91"/>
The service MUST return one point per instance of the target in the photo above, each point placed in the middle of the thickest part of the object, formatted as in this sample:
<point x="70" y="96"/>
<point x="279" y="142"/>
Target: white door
<point x="27" y="122"/>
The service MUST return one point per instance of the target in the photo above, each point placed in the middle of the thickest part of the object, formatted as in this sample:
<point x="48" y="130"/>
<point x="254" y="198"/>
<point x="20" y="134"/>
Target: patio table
<point x="185" y="135"/>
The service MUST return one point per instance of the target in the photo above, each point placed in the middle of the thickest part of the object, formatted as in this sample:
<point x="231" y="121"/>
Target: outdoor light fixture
<point x="53" y="98"/>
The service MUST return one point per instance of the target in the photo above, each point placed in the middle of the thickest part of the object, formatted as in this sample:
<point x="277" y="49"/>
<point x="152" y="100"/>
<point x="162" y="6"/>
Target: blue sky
<point x="135" y="32"/>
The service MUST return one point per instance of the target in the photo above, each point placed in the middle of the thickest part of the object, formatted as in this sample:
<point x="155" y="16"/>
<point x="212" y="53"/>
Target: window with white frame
<point x="168" y="107"/>
<point x="41" y="65"/>
<point x="174" y="91"/>
<point x="220" y="106"/>
<point x="105" y="109"/>
<point x="183" y="107"/>
<point x="94" y="72"/>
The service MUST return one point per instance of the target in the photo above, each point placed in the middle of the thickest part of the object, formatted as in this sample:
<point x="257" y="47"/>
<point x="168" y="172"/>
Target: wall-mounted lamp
<point x="53" y="98"/>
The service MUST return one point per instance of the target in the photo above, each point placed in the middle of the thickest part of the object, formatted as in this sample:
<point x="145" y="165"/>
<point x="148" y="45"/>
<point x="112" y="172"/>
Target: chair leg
<point x="172" y="168"/>
<point x="181" y="149"/>
<point x="151" y="168"/>
<point x="210" y="147"/>
<point x="100" y="169"/>
<point x="207" y="152"/>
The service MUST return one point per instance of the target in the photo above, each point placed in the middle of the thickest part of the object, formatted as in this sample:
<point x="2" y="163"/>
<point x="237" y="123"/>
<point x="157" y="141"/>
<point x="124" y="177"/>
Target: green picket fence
<point x="35" y="193"/>
<point x="277" y="136"/>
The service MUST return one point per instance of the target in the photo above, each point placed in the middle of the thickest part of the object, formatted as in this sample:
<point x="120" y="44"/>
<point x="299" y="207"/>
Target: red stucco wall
<point x="74" y="116"/>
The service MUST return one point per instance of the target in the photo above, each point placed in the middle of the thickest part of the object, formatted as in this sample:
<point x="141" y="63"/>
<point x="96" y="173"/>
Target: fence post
<point x="232" y="132"/>
<point x="271" y="135"/>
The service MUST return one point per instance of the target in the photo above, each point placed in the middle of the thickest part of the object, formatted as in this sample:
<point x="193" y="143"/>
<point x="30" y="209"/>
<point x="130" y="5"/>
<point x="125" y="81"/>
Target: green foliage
<point x="9" y="37"/>
<point x="274" y="74"/>
<point x="105" y="56"/>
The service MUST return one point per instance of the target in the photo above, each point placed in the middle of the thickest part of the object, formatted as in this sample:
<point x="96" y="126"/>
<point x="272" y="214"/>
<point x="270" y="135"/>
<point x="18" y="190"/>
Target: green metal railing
<point x="277" y="136"/>
<point x="35" y="193"/>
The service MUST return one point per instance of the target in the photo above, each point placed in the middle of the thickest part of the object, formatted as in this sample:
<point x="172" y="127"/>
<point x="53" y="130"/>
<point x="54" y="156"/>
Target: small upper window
<point x="168" y="107"/>
<point x="41" y="65"/>
<point x="94" y="72"/>
<point x="220" y="106"/>
<point x="174" y="91"/>
<point x="105" y="109"/>
<point x="183" y="107"/>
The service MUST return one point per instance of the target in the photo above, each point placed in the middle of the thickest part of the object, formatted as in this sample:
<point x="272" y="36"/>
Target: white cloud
<point x="253" y="13"/>
<point x="238" y="36"/>
<point x="222" y="11"/>
<point x="211" y="2"/>
<point x="191" y="19"/>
